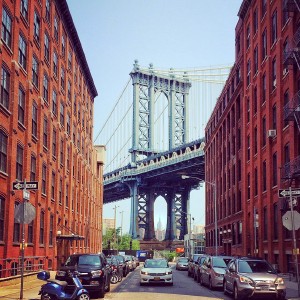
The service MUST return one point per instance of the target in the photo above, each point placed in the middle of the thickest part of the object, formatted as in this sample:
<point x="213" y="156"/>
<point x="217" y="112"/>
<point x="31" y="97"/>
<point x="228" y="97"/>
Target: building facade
<point x="46" y="130"/>
<point x="252" y="137"/>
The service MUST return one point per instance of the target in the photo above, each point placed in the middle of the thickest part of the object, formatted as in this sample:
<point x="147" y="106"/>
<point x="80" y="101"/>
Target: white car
<point x="156" y="271"/>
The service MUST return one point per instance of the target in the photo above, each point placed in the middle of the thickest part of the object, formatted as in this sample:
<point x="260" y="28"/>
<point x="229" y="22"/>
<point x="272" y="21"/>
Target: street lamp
<point x="115" y="225"/>
<point x="213" y="184"/>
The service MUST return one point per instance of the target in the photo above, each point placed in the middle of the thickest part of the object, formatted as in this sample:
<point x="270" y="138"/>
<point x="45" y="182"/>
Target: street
<point x="184" y="287"/>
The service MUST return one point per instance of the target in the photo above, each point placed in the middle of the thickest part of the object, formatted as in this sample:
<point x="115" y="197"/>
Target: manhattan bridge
<point x="154" y="136"/>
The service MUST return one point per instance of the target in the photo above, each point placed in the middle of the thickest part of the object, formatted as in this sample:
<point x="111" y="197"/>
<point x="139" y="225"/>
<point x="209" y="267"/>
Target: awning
<point x="70" y="237"/>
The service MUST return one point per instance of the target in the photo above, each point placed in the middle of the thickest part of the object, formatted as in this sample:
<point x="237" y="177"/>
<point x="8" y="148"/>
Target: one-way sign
<point x="30" y="185"/>
<point x="288" y="193"/>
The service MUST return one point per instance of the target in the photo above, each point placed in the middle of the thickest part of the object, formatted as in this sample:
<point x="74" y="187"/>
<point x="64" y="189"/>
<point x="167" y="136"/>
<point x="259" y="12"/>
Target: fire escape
<point x="291" y="57"/>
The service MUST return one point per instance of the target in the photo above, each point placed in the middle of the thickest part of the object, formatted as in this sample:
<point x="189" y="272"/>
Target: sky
<point x="167" y="33"/>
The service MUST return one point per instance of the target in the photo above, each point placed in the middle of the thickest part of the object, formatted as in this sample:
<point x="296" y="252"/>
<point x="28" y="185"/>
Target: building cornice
<point x="63" y="8"/>
<point x="244" y="8"/>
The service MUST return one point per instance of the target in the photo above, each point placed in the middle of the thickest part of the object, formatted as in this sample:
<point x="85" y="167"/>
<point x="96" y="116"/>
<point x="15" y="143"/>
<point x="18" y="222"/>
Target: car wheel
<point x="201" y="280"/>
<point x="101" y="292"/>
<point x="224" y="287"/>
<point x="107" y="288"/>
<point x="210" y="285"/>
<point x="83" y="296"/>
<point x="236" y="294"/>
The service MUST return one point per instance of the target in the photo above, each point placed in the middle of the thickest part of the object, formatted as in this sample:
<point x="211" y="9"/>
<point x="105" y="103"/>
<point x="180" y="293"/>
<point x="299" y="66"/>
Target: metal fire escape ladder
<point x="291" y="5"/>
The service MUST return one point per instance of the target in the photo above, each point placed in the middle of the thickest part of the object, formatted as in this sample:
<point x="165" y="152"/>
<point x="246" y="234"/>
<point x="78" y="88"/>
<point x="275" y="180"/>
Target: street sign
<point x="24" y="212"/>
<point x="26" y="195"/>
<point x="287" y="193"/>
<point x="287" y="220"/>
<point x="30" y="185"/>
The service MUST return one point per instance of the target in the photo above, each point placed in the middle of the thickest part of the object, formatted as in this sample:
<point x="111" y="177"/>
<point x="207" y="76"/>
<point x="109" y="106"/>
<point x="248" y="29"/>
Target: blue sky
<point x="167" y="33"/>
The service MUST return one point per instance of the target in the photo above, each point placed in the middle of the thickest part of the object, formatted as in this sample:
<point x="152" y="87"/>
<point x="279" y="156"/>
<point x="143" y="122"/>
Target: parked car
<point x="197" y="266"/>
<point x="247" y="277"/>
<point x="137" y="262"/>
<point x="191" y="265"/>
<point x="131" y="263"/>
<point x="182" y="263"/>
<point x="124" y="264"/>
<point x="213" y="269"/>
<point x="156" y="271"/>
<point x="93" y="272"/>
<point x="115" y="266"/>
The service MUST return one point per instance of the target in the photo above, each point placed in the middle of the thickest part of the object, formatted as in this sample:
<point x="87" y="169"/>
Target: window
<point x="34" y="120"/>
<point x="255" y="21"/>
<point x="255" y="141"/>
<point x="264" y="174"/>
<point x="67" y="195"/>
<point x="248" y="71"/>
<point x="54" y="138"/>
<point x="264" y="45"/>
<point x="263" y="8"/>
<point x="24" y="9"/>
<point x="5" y="87"/>
<point x="248" y="186"/>
<point x="60" y="191"/>
<point x="264" y="133"/>
<point x="286" y="101"/>
<point x="22" y="52"/>
<point x="47" y="46"/>
<point x="248" y="147"/>
<point x="47" y="10"/>
<point x="53" y="186"/>
<point x="285" y="17"/>
<point x="264" y="88"/>
<point x="51" y="230"/>
<point x="255" y="60"/>
<point x="45" y="133"/>
<point x="255" y="99"/>
<point x="274" y="27"/>
<point x="265" y="220"/>
<point x="44" y="177"/>
<point x="46" y="88"/>
<point x="56" y="28"/>
<point x="62" y="114"/>
<point x="19" y="163"/>
<point x="21" y="106"/>
<point x="274" y="117"/>
<point x="2" y="217"/>
<point x="30" y="233"/>
<point x="69" y="91"/>
<point x="275" y="221"/>
<point x="70" y="60"/>
<point x="35" y="72"/>
<point x="63" y="46"/>
<point x="248" y="37"/>
<point x="3" y="152"/>
<point x="68" y="124"/>
<point x="42" y="227"/>
<point x="55" y="69"/>
<point x="274" y="173"/>
<point x="36" y="27"/>
<point x="274" y="73"/>
<point x="54" y="103"/>
<point x="255" y="182"/>
<point x="61" y="151"/>
<point x="17" y="232"/>
<point x="248" y="110"/>
<point x="33" y="168"/>
<point x="62" y="78"/>
<point x="6" y="27"/>
<point x="286" y="153"/>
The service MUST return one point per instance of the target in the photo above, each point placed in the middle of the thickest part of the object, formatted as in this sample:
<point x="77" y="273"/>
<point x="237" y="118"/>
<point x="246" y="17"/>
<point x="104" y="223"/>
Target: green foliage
<point x="122" y="242"/>
<point x="168" y="255"/>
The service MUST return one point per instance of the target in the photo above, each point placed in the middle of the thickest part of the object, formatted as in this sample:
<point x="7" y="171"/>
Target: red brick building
<point x="252" y="137"/>
<point x="46" y="130"/>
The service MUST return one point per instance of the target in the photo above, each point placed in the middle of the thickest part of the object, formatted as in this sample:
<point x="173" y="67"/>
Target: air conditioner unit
<point x="272" y="133"/>
<point x="274" y="82"/>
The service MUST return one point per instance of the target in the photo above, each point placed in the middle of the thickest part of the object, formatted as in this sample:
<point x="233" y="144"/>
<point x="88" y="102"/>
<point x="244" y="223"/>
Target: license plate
<point x="156" y="278"/>
<point x="264" y="287"/>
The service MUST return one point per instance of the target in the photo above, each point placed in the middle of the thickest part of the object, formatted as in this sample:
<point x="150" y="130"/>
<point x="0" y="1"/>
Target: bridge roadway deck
<point x="161" y="172"/>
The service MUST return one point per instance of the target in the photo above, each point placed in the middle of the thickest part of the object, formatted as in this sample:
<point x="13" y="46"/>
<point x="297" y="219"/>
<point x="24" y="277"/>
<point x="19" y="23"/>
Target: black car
<point x="93" y="271"/>
<point x="124" y="264"/>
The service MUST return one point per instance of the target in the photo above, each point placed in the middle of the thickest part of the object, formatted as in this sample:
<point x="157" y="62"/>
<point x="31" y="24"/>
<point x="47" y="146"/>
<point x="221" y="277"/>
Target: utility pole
<point x="115" y="227"/>
<point x="121" y="212"/>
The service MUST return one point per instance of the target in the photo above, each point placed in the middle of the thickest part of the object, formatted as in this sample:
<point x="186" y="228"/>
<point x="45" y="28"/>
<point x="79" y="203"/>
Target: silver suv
<point x="247" y="277"/>
<point x="213" y="269"/>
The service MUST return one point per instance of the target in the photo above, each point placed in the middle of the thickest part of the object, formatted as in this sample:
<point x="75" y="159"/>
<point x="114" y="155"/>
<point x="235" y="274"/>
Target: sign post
<point x="24" y="186"/>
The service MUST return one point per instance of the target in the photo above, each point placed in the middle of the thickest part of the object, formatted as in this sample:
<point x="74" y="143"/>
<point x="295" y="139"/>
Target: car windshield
<point x="152" y="263"/>
<point x="255" y="266"/>
<point x="183" y="260"/>
<point x="120" y="258"/>
<point x="83" y="260"/>
<point x="220" y="262"/>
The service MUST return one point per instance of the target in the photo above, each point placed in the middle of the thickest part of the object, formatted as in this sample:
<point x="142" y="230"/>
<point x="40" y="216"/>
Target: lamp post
<point x="115" y="225"/>
<point x="213" y="184"/>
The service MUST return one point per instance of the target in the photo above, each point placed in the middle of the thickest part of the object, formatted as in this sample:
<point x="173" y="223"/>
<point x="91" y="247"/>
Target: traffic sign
<point x="30" y="185"/>
<point x="287" y="193"/>
<point x="287" y="220"/>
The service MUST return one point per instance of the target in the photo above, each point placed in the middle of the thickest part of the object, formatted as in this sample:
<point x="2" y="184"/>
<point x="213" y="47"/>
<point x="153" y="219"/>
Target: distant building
<point x="108" y="224"/>
<point x="160" y="232"/>
<point x="198" y="229"/>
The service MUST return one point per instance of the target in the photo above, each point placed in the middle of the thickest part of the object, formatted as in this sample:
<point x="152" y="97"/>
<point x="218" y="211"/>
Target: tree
<point x="122" y="242"/>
